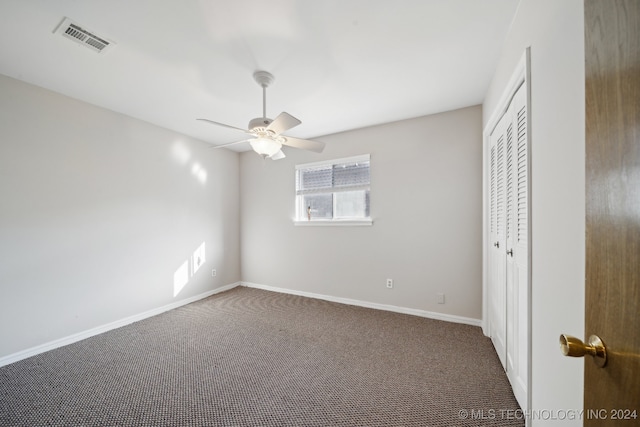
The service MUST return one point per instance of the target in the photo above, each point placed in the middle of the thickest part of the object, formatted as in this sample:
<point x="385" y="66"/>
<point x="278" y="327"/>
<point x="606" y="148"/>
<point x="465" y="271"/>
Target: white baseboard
<point x="6" y="360"/>
<point x="386" y="307"/>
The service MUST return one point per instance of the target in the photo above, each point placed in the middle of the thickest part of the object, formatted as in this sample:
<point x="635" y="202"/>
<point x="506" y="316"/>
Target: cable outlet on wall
<point x="214" y="273"/>
<point x="390" y="283"/>
<point x="440" y="298"/>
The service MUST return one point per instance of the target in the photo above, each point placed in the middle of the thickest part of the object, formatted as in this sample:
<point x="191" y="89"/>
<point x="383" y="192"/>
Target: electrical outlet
<point x="389" y="283"/>
<point x="214" y="273"/>
<point x="440" y="298"/>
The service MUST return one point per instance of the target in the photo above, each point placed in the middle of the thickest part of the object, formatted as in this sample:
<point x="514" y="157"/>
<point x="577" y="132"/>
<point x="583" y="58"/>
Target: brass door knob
<point x="573" y="347"/>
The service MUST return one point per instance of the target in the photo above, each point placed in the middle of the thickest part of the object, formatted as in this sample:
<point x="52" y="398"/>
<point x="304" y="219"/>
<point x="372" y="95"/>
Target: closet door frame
<point x="520" y="76"/>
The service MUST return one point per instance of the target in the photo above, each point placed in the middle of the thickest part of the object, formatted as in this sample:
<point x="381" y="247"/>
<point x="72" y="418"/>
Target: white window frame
<point x="300" y="216"/>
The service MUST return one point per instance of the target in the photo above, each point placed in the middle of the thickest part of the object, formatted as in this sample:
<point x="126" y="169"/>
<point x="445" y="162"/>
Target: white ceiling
<point x="338" y="64"/>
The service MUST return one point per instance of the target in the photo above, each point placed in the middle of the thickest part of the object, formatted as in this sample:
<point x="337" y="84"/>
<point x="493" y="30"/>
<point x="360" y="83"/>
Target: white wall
<point x="426" y="189"/>
<point x="98" y="211"/>
<point x="555" y="31"/>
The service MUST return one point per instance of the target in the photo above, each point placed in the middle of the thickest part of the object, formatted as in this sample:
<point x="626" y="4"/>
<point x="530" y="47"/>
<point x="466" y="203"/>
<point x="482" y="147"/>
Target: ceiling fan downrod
<point x="264" y="79"/>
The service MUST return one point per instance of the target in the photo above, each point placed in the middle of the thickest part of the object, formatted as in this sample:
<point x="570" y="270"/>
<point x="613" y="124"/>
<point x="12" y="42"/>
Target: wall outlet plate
<point x="389" y="283"/>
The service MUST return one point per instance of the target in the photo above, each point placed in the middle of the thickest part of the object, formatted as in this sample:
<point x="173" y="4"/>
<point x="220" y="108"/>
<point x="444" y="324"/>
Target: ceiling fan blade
<point x="282" y="123"/>
<point x="231" y="143"/>
<point x="222" y="124"/>
<point x="279" y="155"/>
<point x="305" y="144"/>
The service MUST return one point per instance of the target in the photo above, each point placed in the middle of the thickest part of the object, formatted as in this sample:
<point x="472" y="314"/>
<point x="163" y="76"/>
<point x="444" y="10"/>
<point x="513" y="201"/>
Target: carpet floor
<point x="248" y="357"/>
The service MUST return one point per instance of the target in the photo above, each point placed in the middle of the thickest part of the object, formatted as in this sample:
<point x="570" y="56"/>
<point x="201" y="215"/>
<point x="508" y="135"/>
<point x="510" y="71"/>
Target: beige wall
<point x="555" y="31"/>
<point x="98" y="211"/>
<point x="426" y="189"/>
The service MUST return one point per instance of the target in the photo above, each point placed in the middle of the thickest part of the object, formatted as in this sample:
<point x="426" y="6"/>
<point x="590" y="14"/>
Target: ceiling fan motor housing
<point x="259" y="122"/>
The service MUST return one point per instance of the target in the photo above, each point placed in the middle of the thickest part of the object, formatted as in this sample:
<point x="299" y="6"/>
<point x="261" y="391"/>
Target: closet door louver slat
<point x="522" y="185"/>
<point x="510" y="174"/>
<point x="492" y="190"/>
<point x="500" y="190"/>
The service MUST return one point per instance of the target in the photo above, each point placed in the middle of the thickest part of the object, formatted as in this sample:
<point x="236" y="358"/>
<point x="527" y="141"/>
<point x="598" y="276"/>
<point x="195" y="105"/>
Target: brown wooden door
<point x="612" y="57"/>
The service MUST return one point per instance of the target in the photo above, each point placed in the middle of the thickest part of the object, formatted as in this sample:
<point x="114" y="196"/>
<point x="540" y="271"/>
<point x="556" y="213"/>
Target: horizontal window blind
<point x="340" y="175"/>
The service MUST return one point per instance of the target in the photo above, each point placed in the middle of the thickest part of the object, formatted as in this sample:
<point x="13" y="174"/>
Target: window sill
<point x="335" y="223"/>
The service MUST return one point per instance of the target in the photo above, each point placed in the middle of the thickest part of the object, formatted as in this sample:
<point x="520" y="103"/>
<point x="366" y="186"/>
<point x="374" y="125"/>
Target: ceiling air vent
<point x="82" y="36"/>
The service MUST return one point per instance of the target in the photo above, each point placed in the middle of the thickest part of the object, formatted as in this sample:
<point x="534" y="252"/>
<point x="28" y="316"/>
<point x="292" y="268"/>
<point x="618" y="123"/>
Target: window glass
<point x="351" y="204"/>
<point x="318" y="206"/>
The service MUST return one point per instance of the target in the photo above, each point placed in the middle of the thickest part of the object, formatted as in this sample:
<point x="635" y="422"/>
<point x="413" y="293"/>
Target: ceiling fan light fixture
<point x="265" y="147"/>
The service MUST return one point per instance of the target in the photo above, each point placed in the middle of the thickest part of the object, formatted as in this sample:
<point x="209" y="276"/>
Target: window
<point x="333" y="192"/>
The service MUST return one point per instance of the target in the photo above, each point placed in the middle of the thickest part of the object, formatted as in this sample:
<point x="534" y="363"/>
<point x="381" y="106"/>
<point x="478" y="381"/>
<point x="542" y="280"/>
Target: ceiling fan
<point x="267" y="138"/>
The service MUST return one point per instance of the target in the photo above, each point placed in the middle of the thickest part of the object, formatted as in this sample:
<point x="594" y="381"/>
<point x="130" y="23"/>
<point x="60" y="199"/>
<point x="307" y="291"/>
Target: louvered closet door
<point x="509" y="251"/>
<point x="517" y="246"/>
<point x="497" y="273"/>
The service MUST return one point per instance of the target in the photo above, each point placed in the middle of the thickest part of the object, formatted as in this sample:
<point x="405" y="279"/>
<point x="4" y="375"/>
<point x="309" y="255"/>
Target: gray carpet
<point x="249" y="357"/>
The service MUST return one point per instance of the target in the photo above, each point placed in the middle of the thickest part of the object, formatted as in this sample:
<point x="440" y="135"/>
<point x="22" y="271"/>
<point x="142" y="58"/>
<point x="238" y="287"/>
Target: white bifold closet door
<point x="509" y="251"/>
<point x="497" y="264"/>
